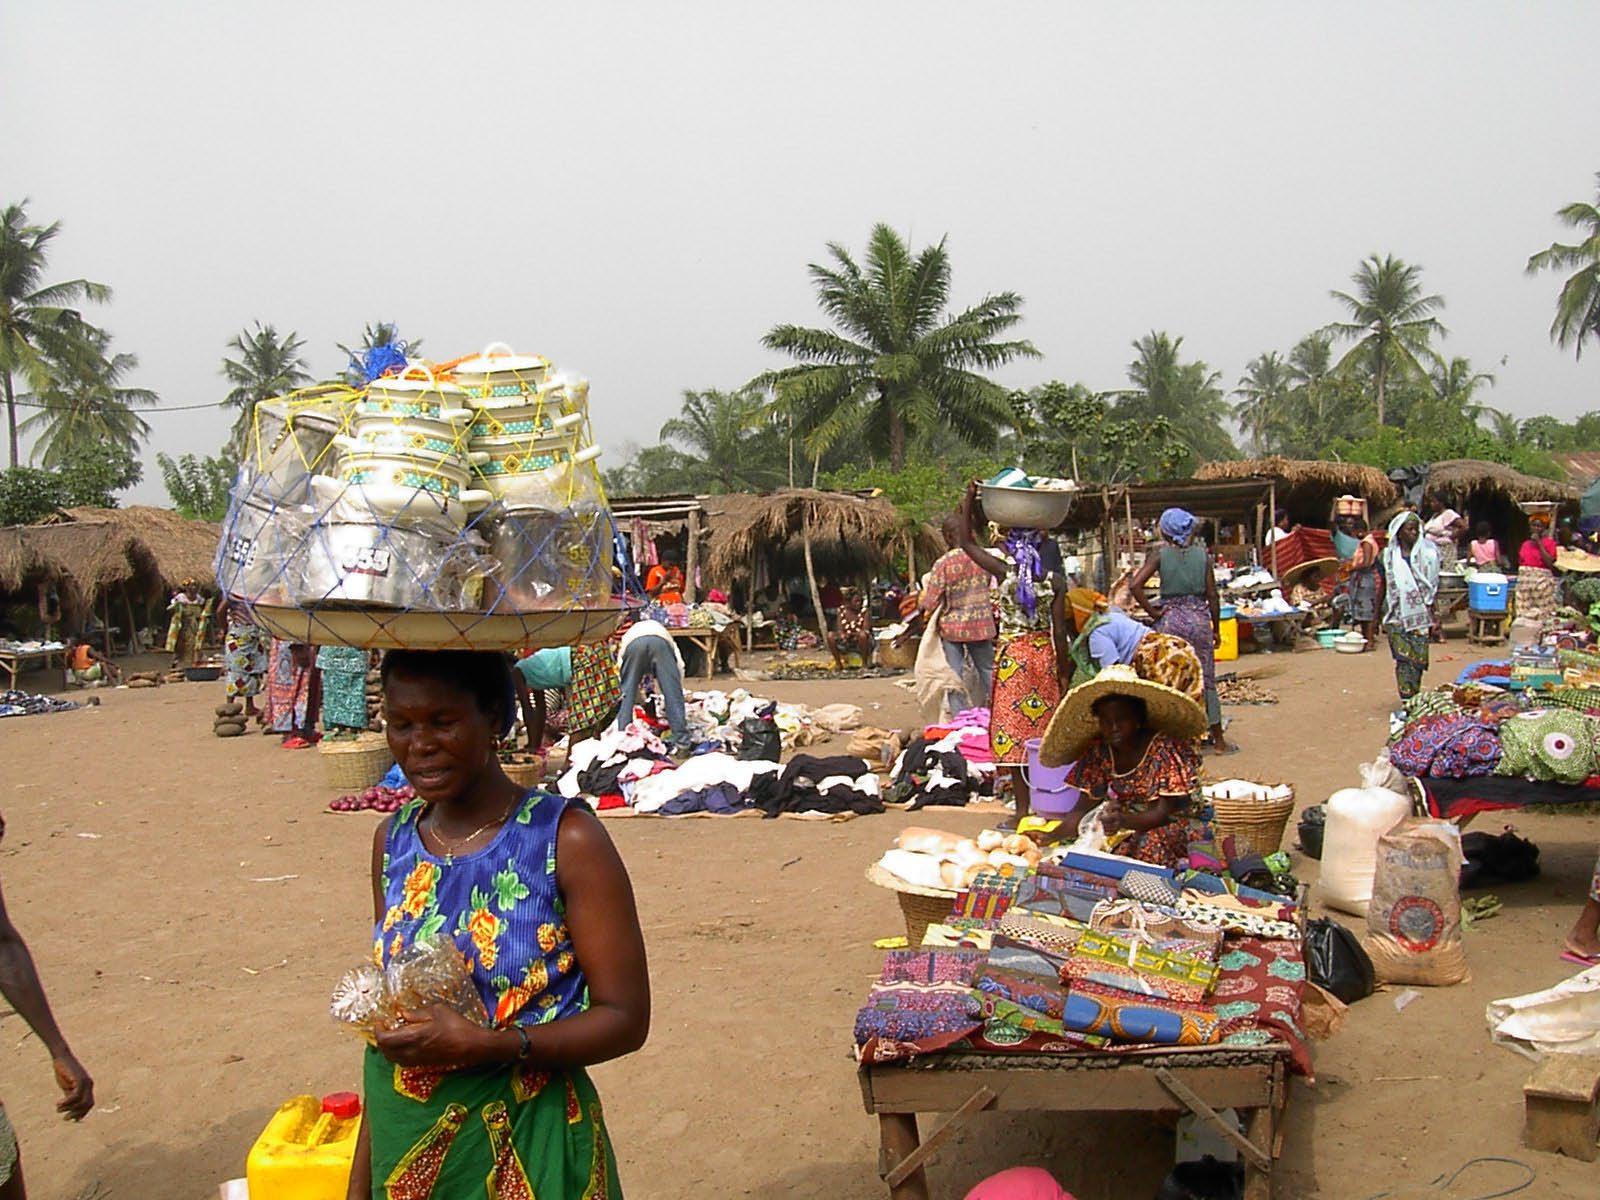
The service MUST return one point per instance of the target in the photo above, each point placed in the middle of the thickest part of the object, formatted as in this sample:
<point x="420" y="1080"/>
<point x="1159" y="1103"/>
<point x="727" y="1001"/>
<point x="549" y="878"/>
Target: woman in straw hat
<point x="1031" y="664"/>
<point x="1107" y="637"/>
<point x="1131" y="743"/>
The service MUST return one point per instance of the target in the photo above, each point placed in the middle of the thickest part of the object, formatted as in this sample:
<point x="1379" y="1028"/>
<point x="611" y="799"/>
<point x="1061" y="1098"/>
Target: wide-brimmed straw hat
<point x="1074" y="725"/>
<point x="1312" y="566"/>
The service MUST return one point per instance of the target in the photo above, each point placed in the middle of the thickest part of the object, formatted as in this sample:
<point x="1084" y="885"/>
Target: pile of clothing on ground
<point x="1073" y="950"/>
<point x="950" y="764"/>
<point x="26" y="704"/>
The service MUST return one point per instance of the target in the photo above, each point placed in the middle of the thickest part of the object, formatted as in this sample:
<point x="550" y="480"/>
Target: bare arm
<point x="1212" y="598"/>
<point x="1142" y="577"/>
<point x="1061" y="634"/>
<point x="360" y="1187"/>
<point x="984" y="557"/>
<point x="19" y="984"/>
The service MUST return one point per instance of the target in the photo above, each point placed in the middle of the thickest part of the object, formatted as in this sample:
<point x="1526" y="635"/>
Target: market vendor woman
<point x="1131" y="743"/>
<point x="1107" y="636"/>
<point x="532" y="891"/>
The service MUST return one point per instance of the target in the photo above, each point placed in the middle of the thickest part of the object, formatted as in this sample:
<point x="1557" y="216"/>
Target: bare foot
<point x="1582" y="944"/>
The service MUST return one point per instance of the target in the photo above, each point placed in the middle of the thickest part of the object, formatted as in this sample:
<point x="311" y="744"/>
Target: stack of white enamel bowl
<point x="390" y="529"/>
<point x="549" y="532"/>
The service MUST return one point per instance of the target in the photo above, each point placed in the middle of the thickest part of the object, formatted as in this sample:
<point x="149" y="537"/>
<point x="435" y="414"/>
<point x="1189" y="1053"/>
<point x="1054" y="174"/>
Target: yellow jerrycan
<point x="306" y="1150"/>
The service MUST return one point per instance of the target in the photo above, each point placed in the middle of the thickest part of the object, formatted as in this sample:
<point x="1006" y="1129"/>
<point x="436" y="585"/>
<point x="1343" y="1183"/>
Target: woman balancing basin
<point x="533" y="893"/>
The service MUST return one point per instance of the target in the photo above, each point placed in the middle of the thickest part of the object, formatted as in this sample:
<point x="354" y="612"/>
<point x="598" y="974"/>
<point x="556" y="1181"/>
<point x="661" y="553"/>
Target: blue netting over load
<point x="457" y="506"/>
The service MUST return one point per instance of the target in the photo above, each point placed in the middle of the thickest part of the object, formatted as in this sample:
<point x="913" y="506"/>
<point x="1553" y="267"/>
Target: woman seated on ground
<point x="530" y="887"/>
<point x="1132" y="746"/>
<point x="87" y="667"/>
<point x="852" y="630"/>
<point x="1107" y="636"/>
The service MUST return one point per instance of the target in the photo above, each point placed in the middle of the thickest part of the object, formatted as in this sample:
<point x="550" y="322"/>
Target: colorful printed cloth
<point x="244" y="658"/>
<point x="966" y="591"/>
<point x="1146" y="1020"/>
<point x="1140" y="969"/>
<point x="1013" y="617"/>
<point x="1050" y="936"/>
<point x="291" y="689"/>
<point x="1237" y="920"/>
<point x="1170" y="767"/>
<point x="1130" y="919"/>
<point x="1410" y="651"/>
<point x="1537" y="593"/>
<point x="1063" y="893"/>
<point x="1362" y="590"/>
<point x="596" y="688"/>
<point x="516" y="1127"/>
<point x="1431" y="704"/>
<point x="988" y="895"/>
<point x="1026" y="692"/>
<point x="1189" y="618"/>
<point x="1024" y="975"/>
<point x="1453" y="746"/>
<point x="1555" y="744"/>
<point x="1258" y="994"/>
<point x="922" y="1002"/>
<point x="344" y="686"/>
<point x="1167" y="659"/>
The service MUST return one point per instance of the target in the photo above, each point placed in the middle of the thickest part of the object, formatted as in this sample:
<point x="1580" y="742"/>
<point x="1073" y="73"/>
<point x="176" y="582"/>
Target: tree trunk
<point x="816" y="467"/>
<point x="811" y="577"/>
<point x="11" y="417"/>
<point x="1381" y="375"/>
<point x="897" y="441"/>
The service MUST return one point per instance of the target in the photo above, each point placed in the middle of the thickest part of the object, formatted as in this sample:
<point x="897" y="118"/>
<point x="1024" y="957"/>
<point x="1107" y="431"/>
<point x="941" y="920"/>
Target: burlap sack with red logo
<point x="1414" y="921"/>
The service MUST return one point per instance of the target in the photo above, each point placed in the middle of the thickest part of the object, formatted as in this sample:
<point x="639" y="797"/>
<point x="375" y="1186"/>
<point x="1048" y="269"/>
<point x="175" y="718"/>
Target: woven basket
<point x="1255" y="825"/>
<point x="525" y="774"/>
<point x="898" y="654"/>
<point x="354" y="765"/>
<point x="919" y="906"/>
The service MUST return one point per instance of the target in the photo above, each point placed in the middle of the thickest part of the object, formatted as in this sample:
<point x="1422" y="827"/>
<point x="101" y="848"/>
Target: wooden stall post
<point x="133" y="622"/>
<point x="105" y="621"/>
<point x="1272" y="499"/>
<point x="811" y="574"/>
<point x="691" y="557"/>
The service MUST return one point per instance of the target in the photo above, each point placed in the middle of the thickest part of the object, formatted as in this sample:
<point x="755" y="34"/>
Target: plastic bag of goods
<point x="1356" y="819"/>
<point x="1564" y="1019"/>
<point x="1414" y="920"/>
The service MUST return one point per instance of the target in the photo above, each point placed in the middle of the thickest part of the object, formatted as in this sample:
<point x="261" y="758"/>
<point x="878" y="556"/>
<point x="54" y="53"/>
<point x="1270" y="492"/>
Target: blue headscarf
<point x="1177" y="526"/>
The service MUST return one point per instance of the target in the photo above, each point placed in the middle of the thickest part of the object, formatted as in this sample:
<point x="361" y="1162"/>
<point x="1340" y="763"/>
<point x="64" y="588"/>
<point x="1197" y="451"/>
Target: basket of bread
<point x="929" y="868"/>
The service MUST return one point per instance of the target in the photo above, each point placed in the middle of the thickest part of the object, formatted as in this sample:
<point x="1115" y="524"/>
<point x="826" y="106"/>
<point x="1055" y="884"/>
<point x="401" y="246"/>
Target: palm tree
<point x="1265" y="388"/>
<point x="1391" y="321"/>
<point x="1505" y="427"/>
<point x="87" y="405"/>
<point x="733" y="442"/>
<point x="38" y="321"/>
<point x="267" y="365"/>
<point x="896" y="360"/>
<point x="374" y="335"/>
<point x="1578" y="306"/>
<point x="1454" y="381"/>
<point x="1185" y="395"/>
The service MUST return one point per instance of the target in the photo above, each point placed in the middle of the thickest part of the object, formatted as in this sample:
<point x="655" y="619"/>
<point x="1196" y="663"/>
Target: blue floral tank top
<point x="501" y="906"/>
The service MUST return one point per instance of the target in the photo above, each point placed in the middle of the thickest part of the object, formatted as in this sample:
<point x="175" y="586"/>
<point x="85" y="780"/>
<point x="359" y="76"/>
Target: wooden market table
<point x="710" y="640"/>
<point x="14" y="661"/>
<point x="1201" y="1079"/>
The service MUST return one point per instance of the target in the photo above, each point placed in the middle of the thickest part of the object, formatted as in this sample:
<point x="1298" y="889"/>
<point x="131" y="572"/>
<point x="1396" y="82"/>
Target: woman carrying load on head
<point x="1537" y="592"/>
<point x="1190" y="607"/>
<point x="1411" y="579"/>
<point x="1032" y="664"/>
<point x="1107" y="636"/>
<point x="1358" y="553"/>
<point x="533" y="893"/>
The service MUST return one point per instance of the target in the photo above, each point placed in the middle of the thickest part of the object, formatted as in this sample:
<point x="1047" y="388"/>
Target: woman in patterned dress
<point x="533" y="893"/>
<point x="1031" y="666"/>
<point x="244" y="654"/>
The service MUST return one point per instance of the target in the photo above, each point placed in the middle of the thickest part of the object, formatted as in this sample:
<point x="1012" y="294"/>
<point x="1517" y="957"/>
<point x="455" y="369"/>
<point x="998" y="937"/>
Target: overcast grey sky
<point x="634" y="190"/>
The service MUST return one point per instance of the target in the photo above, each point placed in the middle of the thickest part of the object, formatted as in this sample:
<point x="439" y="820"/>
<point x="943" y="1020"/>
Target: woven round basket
<point x="1255" y="825"/>
<point x="919" y="906"/>
<point x="525" y="774"/>
<point x="898" y="654"/>
<point x="357" y="763"/>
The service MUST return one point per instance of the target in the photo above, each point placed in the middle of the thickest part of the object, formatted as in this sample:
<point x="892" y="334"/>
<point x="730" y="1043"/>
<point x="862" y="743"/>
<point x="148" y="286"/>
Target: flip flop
<point x="296" y="743"/>
<point x="1223" y="753"/>
<point x="1579" y="959"/>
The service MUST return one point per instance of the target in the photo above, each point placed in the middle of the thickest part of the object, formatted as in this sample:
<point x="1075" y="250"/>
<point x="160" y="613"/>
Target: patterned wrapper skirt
<point x="1167" y="659"/>
<point x="1537" y="593"/>
<point x="595" y="690"/>
<point x="244" y="658"/>
<point x="1189" y="618"/>
<point x="1362" y="588"/>
<point x="1410" y="652"/>
<point x="1026" y="692"/>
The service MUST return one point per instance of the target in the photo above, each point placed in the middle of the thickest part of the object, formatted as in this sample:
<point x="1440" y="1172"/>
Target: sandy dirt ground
<point x="190" y="903"/>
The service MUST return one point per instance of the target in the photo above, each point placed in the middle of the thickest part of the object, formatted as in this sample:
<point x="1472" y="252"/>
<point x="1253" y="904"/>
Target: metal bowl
<point x="1024" y="508"/>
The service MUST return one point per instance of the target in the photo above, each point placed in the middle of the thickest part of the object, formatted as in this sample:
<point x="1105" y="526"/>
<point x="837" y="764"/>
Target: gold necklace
<point x="453" y="844"/>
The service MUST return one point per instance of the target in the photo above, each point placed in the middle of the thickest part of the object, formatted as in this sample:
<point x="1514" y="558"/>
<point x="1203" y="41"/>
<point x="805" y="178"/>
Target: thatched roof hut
<point x="1307" y="488"/>
<point x="1457" y="478"/>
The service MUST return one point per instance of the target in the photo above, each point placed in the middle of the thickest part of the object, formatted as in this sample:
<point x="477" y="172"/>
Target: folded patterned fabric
<point x="1555" y="745"/>
<point x="959" y="934"/>
<point x="1108" y="1012"/>
<point x="1236" y="918"/>
<point x="1259" y="992"/>
<point x="989" y="895"/>
<point x="1024" y="975"/>
<point x="914" y="1012"/>
<point x="1064" y="892"/>
<point x="1007" y="1023"/>
<point x="1151" y="889"/>
<point x="1129" y="918"/>
<point x="1137" y="969"/>
<point x="1456" y="745"/>
<point x="1051" y="936"/>
<point x="931" y="966"/>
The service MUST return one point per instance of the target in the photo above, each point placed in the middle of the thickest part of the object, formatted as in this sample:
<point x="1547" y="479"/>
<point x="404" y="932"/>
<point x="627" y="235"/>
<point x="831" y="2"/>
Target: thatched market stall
<point x="1307" y="488"/>
<point x="1488" y="491"/>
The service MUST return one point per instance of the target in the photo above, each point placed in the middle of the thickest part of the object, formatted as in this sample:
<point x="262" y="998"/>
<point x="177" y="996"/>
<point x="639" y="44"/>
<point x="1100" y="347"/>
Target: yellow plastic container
<point x="306" y="1150"/>
<point x="1227" y="643"/>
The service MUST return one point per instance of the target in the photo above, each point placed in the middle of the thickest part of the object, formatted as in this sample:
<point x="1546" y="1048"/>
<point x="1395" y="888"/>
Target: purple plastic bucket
<point x="1048" y="791"/>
